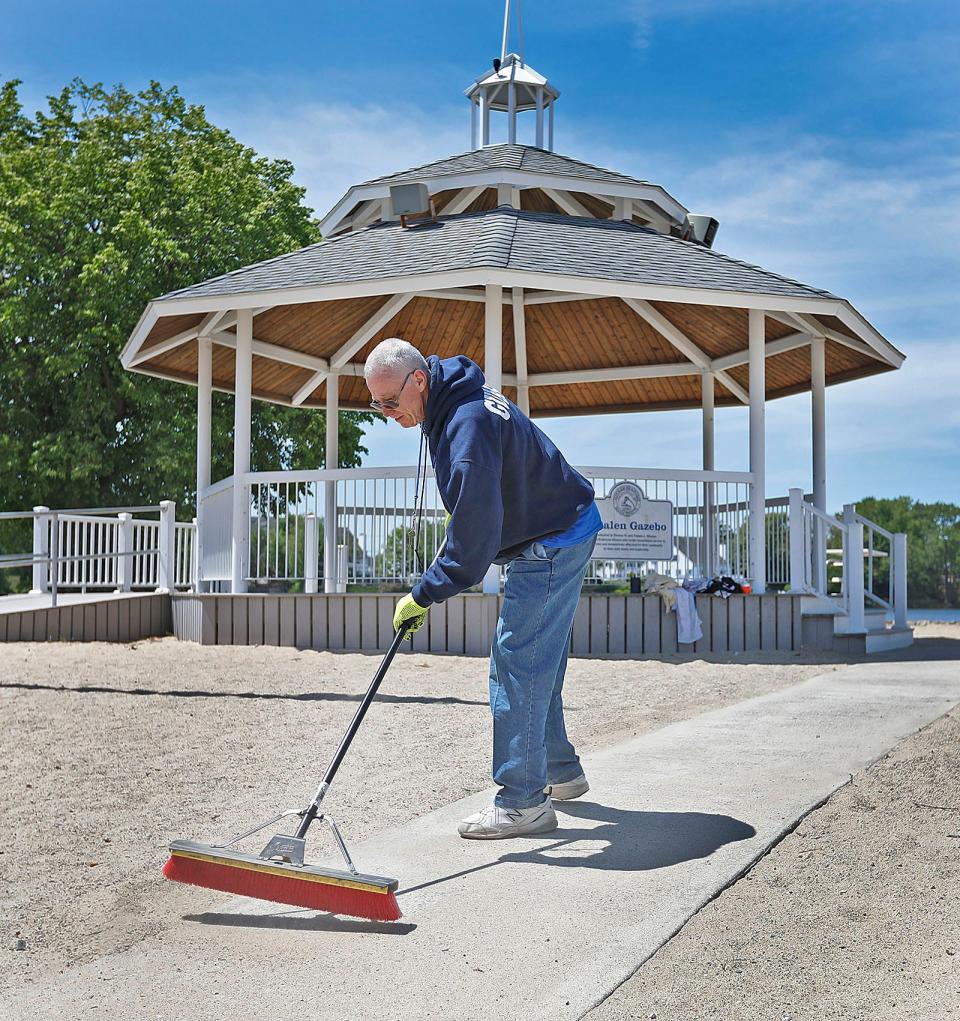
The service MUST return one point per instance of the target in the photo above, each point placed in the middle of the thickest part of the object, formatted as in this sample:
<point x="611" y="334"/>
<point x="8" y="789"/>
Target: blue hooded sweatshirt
<point x="503" y="482"/>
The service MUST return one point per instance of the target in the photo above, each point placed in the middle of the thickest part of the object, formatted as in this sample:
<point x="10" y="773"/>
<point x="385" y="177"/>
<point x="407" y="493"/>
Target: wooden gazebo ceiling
<point x="560" y="336"/>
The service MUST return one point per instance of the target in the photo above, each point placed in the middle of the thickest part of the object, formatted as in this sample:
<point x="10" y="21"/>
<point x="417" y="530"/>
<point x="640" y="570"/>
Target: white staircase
<point x="866" y="615"/>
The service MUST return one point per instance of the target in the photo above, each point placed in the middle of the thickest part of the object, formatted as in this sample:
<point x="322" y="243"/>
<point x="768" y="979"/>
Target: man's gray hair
<point x="396" y="357"/>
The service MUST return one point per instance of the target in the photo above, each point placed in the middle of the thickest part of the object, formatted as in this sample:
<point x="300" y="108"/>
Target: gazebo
<point x="579" y="290"/>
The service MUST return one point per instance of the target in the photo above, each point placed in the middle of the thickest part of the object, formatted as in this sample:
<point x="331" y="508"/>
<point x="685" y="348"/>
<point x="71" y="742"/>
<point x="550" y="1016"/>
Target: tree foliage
<point x="109" y="199"/>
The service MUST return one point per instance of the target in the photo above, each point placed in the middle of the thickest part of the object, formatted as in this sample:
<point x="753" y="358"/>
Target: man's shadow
<point x="631" y="841"/>
<point x="625" y="841"/>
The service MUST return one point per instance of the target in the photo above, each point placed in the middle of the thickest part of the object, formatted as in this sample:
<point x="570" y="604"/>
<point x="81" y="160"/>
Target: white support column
<point x="204" y="412"/>
<point x="330" y="562"/>
<point x="505" y="195"/>
<point x="342" y="561"/>
<point x="899" y="579"/>
<point x="473" y="125"/>
<point x="54" y="557"/>
<point x="124" y="549"/>
<point x="243" y="383"/>
<point x="484" y="118"/>
<point x="493" y="370"/>
<point x="707" y="400"/>
<point x="166" y="570"/>
<point x="493" y="336"/>
<point x="520" y="348"/>
<point x="550" y="130"/>
<point x="819" y="468"/>
<point x="709" y="536"/>
<point x="204" y="437"/>
<point x="853" y="573"/>
<point x="42" y="569"/>
<point x="311" y="552"/>
<point x="798" y="572"/>
<point x="512" y="113"/>
<point x="758" y="538"/>
<point x="622" y="209"/>
<point x="539" y="118"/>
<point x="195" y="566"/>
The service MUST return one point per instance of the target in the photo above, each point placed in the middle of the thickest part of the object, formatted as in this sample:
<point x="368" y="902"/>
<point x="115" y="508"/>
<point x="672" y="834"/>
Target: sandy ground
<point x="855" y="915"/>
<point x="110" y="751"/>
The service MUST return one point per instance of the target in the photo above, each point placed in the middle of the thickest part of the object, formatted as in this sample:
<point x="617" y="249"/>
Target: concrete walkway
<point x="542" y="928"/>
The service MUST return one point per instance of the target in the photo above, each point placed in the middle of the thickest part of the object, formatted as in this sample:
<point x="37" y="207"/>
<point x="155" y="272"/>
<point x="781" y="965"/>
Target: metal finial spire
<point x="506" y="30"/>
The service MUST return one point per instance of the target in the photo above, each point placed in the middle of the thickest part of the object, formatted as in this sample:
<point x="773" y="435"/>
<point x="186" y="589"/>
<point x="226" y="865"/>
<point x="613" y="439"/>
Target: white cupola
<point x="511" y="87"/>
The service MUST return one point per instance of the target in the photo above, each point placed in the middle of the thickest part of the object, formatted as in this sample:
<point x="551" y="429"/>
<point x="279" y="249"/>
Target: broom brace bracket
<point x="256" y="829"/>
<point x="343" y="847"/>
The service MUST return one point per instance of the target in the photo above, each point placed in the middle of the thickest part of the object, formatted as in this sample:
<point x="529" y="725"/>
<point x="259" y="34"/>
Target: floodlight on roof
<point x="700" y="228"/>
<point x="412" y="203"/>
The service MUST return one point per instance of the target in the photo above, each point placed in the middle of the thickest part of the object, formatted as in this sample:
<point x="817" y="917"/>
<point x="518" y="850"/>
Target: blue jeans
<point x="527" y="664"/>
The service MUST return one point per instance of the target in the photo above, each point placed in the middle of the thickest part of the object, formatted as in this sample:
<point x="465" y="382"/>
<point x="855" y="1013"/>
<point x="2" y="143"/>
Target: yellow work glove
<point x="408" y="609"/>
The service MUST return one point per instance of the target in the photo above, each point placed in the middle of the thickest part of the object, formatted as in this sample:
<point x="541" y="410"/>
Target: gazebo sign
<point x="634" y="528"/>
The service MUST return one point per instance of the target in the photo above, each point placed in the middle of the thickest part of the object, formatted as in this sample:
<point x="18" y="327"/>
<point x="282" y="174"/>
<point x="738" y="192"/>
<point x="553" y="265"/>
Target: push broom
<point x="279" y="873"/>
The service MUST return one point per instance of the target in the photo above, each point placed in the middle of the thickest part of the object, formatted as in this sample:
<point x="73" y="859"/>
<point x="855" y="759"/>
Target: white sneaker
<point x="569" y="790"/>
<point x="496" y="823"/>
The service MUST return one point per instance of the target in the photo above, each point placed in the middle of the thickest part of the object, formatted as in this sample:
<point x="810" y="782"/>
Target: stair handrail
<point x="808" y="530"/>
<point x="897" y="603"/>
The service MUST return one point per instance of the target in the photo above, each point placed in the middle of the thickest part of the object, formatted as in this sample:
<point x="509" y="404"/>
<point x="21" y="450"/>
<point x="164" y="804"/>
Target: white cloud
<point x="875" y="222"/>
<point x="918" y="404"/>
<point x="335" y="145"/>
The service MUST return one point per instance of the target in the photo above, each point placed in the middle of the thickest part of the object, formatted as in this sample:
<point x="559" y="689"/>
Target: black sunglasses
<point x="392" y="405"/>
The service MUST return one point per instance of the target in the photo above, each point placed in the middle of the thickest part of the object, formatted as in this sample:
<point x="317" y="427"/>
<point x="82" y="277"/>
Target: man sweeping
<point x="512" y="499"/>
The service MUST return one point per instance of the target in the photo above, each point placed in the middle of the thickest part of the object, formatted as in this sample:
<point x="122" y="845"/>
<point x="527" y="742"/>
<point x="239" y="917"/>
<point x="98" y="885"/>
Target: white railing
<point x="861" y="582"/>
<point x="711" y="521"/>
<point x="87" y="545"/>
<point x="185" y="560"/>
<point x="215" y="529"/>
<point x="375" y="509"/>
<point x="809" y="564"/>
<point x="776" y="524"/>
<point x="106" y="549"/>
<point x="885" y="565"/>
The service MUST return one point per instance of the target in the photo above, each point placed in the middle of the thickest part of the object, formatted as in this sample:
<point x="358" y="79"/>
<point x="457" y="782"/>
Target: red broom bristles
<point x="311" y="893"/>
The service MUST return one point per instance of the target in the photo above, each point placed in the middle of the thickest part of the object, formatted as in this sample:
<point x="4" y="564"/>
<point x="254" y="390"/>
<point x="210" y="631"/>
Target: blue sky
<point x="822" y="135"/>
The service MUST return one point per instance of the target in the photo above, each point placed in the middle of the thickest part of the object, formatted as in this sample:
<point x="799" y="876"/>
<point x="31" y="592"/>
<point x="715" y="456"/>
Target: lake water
<point x="944" y="615"/>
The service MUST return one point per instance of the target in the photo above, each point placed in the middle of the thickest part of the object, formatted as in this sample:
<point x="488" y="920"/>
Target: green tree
<point x="107" y="200"/>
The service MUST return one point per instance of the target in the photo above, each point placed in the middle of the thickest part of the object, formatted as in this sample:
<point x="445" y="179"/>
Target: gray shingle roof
<point x="506" y="238"/>
<point x="507" y="157"/>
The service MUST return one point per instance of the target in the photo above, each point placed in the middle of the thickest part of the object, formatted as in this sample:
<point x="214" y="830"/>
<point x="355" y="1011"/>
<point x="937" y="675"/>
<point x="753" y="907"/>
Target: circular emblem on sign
<point x="625" y="498"/>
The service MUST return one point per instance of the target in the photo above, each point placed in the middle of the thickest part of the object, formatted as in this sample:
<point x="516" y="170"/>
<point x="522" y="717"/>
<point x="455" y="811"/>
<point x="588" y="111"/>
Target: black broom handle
<point x="358" y="716"/>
